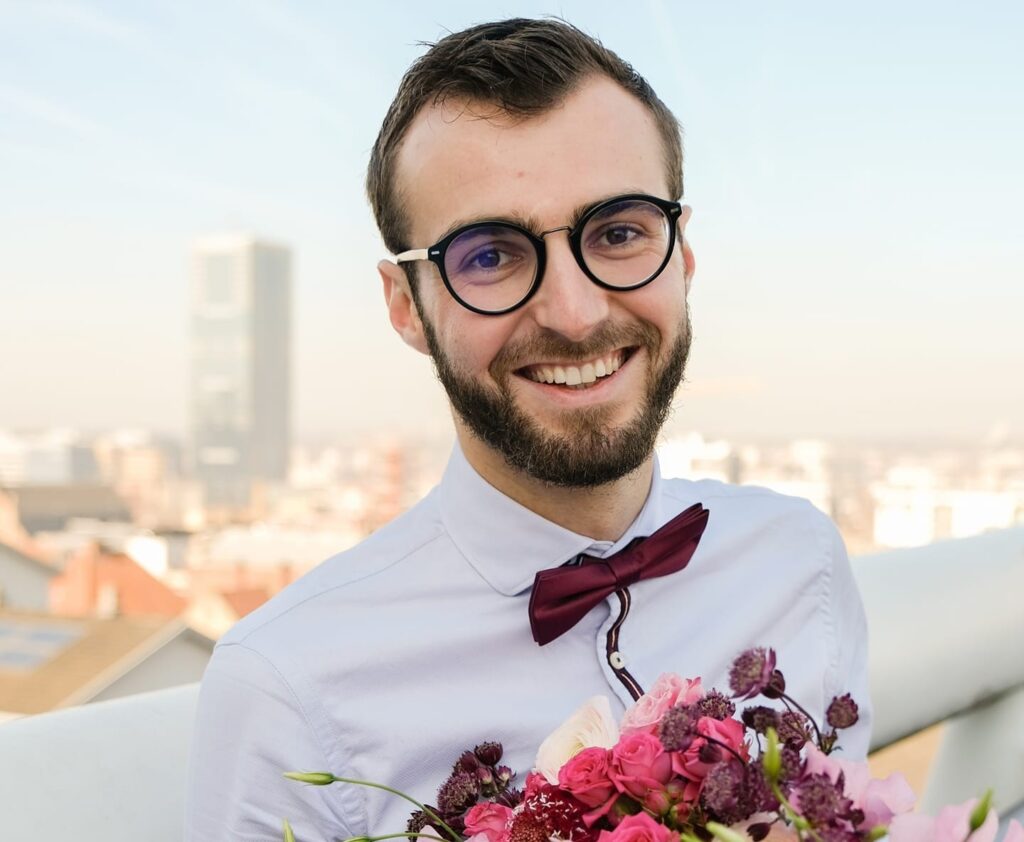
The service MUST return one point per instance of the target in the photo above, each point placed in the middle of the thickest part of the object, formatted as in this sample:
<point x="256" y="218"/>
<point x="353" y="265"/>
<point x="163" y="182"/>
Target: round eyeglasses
<point x="495" y="267"/>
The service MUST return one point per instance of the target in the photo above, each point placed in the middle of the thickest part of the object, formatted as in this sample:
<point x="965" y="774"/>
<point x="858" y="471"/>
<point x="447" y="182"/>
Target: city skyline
<point x="853" y="176"/>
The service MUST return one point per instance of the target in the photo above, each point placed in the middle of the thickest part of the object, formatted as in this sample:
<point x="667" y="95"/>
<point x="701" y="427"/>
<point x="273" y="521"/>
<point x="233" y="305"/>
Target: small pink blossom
<point x="639" y="764"/>
<point x="879" y="799"/>
<point x="952" y="824"/>
<point x="639" y="828"/>
<point x="669" y="690"/>
<point x="489" y="820"/>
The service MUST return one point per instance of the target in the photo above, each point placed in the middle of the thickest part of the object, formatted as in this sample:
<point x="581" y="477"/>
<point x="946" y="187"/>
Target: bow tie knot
<point x="562" y="596"/>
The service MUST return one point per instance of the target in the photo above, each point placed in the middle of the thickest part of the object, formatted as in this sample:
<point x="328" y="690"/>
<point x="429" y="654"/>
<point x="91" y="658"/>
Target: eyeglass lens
<point x="493" y="267"/>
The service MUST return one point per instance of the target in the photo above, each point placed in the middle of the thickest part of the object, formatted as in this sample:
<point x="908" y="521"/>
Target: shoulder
<point x="380" y="562"/>
<point x="746" y="501"/>
<point x="760" y="525"/>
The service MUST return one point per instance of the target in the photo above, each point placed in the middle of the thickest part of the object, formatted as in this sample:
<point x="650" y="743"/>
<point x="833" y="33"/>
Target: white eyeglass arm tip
<point x="413" y="254"/>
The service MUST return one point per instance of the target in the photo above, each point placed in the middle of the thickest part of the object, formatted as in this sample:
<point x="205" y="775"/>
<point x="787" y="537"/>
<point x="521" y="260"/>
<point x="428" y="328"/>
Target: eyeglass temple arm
<point x="411" y="255"/>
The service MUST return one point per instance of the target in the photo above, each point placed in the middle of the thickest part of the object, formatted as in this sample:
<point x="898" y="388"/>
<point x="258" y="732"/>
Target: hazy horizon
<point x="854" y="173"/>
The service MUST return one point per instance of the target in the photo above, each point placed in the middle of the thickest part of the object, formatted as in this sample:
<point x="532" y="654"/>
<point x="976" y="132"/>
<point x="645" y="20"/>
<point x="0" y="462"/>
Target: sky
<point x="854" y="171"/>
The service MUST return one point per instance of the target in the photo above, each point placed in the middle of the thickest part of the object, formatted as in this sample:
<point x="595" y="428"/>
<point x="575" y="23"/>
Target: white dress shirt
<point x="388" y="660"/>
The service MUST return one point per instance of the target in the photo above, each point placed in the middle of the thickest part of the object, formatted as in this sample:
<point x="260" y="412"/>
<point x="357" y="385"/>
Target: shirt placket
<point x="611" y="658"/>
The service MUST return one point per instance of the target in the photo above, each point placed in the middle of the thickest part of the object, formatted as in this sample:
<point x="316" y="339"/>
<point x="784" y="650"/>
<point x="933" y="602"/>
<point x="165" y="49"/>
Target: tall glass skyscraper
<point x="240" y="368"/>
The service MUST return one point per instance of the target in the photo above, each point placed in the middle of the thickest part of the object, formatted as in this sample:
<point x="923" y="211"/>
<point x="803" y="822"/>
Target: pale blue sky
<point x="855" y="173"/>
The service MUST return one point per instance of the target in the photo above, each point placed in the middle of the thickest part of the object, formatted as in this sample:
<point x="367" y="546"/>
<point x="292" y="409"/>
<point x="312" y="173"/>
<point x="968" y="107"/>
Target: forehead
<point x="459" y="161"/>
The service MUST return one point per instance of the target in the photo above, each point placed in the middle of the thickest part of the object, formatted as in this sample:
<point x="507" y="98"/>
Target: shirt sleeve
<point x="251" y="727"/>
<point x="848" y="672"/>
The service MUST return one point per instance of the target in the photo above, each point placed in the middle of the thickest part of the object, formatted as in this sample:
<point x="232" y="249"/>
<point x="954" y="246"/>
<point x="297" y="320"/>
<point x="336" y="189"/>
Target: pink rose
<point x="727" y="731"/>
<point x="951" y="825"/>
<point x="491" y="820"/>
<point x="879" y="799"/>
<point x="586" y="778"/>
<point x="668" y="691"/>
<point x="639" y="764"/>
<point x="639" y="828"/>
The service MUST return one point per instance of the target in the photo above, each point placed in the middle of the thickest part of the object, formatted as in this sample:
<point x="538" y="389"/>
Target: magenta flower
<point x="639" y="828"/>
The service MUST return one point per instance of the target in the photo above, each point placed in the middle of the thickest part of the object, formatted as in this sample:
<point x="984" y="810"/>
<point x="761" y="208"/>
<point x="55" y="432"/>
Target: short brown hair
<point x="524" y="67"/>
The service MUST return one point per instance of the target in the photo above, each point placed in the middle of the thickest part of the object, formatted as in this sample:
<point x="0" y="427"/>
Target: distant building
<point x="50" y="457"/>
<point x="24" y="580"/>
<point x="97" y="583"/>
<point x="49" y="662"/>
<point x="38" y="508"/>
<point x="240" y="369"/>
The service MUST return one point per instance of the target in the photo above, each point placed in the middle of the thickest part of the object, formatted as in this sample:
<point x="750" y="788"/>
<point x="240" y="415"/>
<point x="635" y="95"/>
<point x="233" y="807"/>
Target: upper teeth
<point x="572" y="375"/>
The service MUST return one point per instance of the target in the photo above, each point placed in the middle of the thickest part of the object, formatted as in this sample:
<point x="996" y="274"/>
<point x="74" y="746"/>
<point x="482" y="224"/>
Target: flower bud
<point x="315" y="778"/>
<point x="656" y="801"/>
<point x="980" y="812"/>
<point x="842" y="712"/>
<point x="759" y="830"/>
<point x="776" y="686"/>
<point x="488" y="753"/>
<point x="709" y="753"/>
<point x="504" y="774"/>
<point x="675" y="789"/>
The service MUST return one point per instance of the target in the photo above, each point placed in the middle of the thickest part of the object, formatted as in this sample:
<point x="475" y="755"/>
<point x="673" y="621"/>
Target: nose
<point x="567" y="301"/>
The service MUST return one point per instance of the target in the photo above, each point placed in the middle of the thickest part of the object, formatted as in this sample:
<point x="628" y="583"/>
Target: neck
<point x="603" y="512"/>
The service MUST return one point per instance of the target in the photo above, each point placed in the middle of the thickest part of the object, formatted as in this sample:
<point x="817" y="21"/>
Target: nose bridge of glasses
<point x="555" y="230"/>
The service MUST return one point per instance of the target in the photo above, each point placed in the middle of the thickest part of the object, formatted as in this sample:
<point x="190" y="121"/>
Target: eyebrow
<point x="532" y="223"/>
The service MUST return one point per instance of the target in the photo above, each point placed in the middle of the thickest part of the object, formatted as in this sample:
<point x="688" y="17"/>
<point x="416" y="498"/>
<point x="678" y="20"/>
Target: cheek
<point x="473" y="342"/>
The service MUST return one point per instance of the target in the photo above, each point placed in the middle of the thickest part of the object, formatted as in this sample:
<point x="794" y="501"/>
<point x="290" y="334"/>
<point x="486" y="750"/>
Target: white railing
<point x="947" y="637"/>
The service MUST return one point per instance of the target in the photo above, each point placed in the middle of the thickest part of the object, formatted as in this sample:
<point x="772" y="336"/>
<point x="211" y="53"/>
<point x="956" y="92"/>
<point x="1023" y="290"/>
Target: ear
<point x="405" y="318"/>
<point x="689" y="262"/>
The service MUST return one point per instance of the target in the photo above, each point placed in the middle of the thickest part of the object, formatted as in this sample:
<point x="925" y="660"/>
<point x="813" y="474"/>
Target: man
<point x="527" y="181"/>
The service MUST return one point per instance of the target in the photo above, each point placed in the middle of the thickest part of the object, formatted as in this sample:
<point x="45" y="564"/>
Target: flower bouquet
<point x="682" y="766"/>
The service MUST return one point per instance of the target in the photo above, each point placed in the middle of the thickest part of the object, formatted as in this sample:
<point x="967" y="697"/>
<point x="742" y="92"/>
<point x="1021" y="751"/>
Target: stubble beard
<point x="589" y="451"/>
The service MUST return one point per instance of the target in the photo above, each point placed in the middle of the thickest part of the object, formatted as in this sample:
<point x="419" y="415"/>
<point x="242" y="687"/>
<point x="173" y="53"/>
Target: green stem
<point x="430" y="813"/>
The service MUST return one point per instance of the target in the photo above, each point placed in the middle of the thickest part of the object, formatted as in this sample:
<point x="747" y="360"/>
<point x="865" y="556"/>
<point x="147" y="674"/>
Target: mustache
<point x="549" y="344"/>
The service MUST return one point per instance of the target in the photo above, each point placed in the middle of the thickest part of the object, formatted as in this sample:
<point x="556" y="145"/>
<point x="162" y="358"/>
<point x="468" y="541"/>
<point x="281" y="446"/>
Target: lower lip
<point x="597" y="391"/>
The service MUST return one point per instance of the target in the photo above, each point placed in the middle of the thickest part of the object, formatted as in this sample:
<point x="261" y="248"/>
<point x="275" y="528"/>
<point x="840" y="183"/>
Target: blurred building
<point x="99" y="583"/>
<point x="240" y="362"/>
<point x="48" y="457"/>
<point x="49" y="662"/>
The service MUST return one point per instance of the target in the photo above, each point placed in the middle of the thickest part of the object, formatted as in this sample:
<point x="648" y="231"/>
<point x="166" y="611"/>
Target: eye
<point x="617" y="234"/>
<point x="489" y="257"/>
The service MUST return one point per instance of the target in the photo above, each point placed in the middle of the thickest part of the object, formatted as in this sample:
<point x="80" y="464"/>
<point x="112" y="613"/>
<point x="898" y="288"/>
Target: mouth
<point x="578" y="375"/>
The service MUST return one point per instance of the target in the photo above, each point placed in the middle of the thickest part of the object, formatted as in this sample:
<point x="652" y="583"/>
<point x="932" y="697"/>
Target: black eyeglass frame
<point x="436" y="253"/>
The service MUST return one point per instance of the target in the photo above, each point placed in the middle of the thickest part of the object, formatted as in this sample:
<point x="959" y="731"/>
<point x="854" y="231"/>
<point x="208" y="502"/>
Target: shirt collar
<point x="506" y="543"/>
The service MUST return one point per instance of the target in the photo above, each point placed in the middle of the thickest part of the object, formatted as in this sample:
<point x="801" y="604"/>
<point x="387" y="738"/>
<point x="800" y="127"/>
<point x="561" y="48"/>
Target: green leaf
<point x="289" y="836"/>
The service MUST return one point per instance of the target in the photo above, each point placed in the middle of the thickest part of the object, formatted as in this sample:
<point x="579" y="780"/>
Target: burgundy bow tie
<point x="562" y="596"/>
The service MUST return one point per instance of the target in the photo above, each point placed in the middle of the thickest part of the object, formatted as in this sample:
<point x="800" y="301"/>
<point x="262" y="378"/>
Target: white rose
<point x="591" y="725"/>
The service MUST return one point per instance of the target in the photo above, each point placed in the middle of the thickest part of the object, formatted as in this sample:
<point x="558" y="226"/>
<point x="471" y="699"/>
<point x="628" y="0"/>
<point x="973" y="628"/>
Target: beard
<point x="590" y="450"/>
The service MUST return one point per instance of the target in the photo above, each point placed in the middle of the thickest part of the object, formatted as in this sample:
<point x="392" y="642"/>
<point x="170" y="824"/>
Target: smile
<point x="577" y="374"/>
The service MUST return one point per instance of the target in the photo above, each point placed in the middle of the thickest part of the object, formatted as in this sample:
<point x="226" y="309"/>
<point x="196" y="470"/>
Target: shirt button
<point x="616" y="660"/>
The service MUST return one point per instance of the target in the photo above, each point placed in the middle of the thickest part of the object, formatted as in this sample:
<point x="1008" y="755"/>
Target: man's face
<point x="454" y="168"/>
